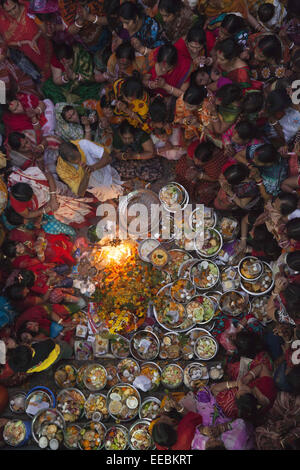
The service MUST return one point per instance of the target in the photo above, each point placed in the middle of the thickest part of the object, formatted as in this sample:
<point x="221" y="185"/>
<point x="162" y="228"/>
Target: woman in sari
<point x="229" y="25"/>
<point x="123" y="62"/>
<point x="19" y="30"/>
<point x="212" y="8"/>
<point x="72" y="76"/>
<point x="189" y="112"/>
<point x="196" y="46"/>
<point x="230" y="64"/>
<point x="134" y="154"/>
<point x="132" y="102"/>
<point x="75" y="122"/>
<point x="176" y="17"/>
<point x="199" y="171"/>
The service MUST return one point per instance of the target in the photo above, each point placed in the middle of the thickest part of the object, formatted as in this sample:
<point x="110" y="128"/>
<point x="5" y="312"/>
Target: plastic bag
<point x="143" y="383"/>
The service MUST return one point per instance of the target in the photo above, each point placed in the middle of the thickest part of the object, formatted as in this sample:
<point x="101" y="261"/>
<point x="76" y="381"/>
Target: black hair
<point x="64" y="111"/>
<point x="246" y="130"/>
<point x="272" y="249"/>
<point x="277" y="100"/>
<point x="25" y="278"/>
<point x="236" y="173"/>
<point x="105" y="102"/>
<point x="133" y="87"/>
<point x="15" y="292"/>
<point x="248" y="344"/>
<point x="130" y="11"/>
<point x="204" y="151"/>
<point x="9" y="249"/>
<point x="170" y="6"/>
<point x="293" y="260"/>
<point x="14" y="139"/>
<point x="64" y="51"/>
<point x="164" y="435"/>
<point x="125" y="128"/>
<point x="292" y="297"/>
<point x="293" y="380"/>
<point x="261" y="233"/>
<point x="293" y="8"/>
<point x="66" y="151"/>
<point x="253" y="102"/>
<point x="21" y="330"/>
<point x="204" y="69"/>
<point x="22" y="192"/>
<point x="233" y="23"/>
<point x="230" y="93"/>
<point x="219" y="446"/>
<point x="270" y="46"/>
<point x="247" y="406"/>
<point x="266" y="154"/>
<point x="197" y="34"/>
<point x="158" y="110"/>
<point x="19" y="358"/>
<point x="168" y="53"/>
<point x="229" y="47"/>
<point x="266" y="12"/>
<point x="195" y="94"/>
<point x="288" y="203"/>
<point x="12" y="217"/>
<point x="293" y="229"/>
<point x="125" y="51"/>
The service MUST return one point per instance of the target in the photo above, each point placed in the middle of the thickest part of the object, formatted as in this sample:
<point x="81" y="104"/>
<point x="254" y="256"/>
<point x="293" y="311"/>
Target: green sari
<point x="74" y="91"/>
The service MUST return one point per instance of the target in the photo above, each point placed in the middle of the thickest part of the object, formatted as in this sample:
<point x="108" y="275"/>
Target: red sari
<point x="183" y="49"/>
<point x="21" y="122"/>
<point x="185" y="431"/>
<point x="27" y="36"/>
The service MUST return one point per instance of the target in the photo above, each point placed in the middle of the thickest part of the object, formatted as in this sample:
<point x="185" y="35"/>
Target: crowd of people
<point x="100" y="94"/>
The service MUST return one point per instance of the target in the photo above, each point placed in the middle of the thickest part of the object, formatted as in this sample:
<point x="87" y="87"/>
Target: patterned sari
<point x="140" y="107"/>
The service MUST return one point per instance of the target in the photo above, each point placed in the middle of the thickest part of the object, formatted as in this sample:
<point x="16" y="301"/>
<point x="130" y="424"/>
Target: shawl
<point x="68" y="173"/>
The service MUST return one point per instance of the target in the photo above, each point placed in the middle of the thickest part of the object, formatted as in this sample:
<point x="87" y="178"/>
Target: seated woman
<point x="188" y="112"/>
<point x="166" y="138"/>
<point x="76" y="122"/>
<point x="199" y="171"/>
<point x="239" y="188"/>
<point x="122" y="63"/>
<point x="230" y="64"/>
<point x="72" y="76"/>
<point x="229" y="25"/>
<point x="271" y="15"/>
<point x="85" y="166"/>
<point x="143" y="32"/>
<point x="134" y="154"/>
<point x="239" y="136"/>
<point x="196" y="46"/>
<point x="177" y="18"/>
<point x="132" y="101"/>
<point x="169" y="70"/>
<point x="27" y="111"/>
<point x="283" y="305"/>
<point x="272" y="167"/>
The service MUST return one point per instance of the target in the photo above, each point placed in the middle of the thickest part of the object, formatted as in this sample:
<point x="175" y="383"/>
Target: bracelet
<point x="59" y="321"/>
<point x="77" y="25"/>
<point x="145" y="51"/>
<point x="172" y="89"/>
<point x="40" y="111"/>
<point x="95" y="20"/>
<point x="274" y="294"/>
<point x="243" y="238"/>
<point x="274" y="123"/>
<point x="53" y="192"/>
<point x="36" y="123"/>
<point x="227" y="385"/>
<point x="64" y="80"/>
<point x="252" y="373"/>
<point x="292" y="45"/>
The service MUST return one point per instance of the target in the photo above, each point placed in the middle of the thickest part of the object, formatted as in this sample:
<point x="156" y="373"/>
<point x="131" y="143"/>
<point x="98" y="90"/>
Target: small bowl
<point x="144" y="336"/>
<point x="259" y="272"/>
<point x="68" y="446"/>
<point x="168" y="385"/>
<point x="123" y="429"/>
<point x="132" y="431"/>
<point x="18" y="401"/>
<point x="143" y="244"/>
<point x="149" y="400"/>
<point x="88" y="384"/>
<point x="211" y="339"/>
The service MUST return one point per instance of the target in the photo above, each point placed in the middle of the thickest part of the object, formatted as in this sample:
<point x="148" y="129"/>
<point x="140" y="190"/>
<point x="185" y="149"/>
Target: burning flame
<point x="110" y="254"/>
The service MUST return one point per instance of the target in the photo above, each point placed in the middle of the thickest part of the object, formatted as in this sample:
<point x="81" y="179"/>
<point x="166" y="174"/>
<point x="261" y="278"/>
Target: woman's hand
<point x="137" y="45"/>
<point x="284" y="151"/>
<point x="160" y="82"/>
<point x="254" y="173"/>
<point x="31" y="113"/>
<point x="280" y="284"/>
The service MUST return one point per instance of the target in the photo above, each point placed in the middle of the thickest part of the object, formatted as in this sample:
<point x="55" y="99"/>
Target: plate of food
<point x="173" y="197"/>
<point x="17" y="402"/>
<point x="209" y="243"/>
<point x="234" y="303"/>
<point x="95" y="377"/>
<point x="201" y="309"/>
<point x="128" y="370"/>
<point x="206" y="348"/>
<point x="51" y="435"/>
<point x="140" y="436"/>
<point x="120" y="346"/>
<point x="258" y="308"/>
<point x="172" y="376"/>
<point x="65" y="376"/>
<point x="176" y="258"/>
<point x="228" y="227"/>
<point x="123" y="402"/>
<point x="195" y="375"/>
<point x="146" y="247"/>
<point x="150" y="408"/>
<point x="205" y="274"/>
<point x="153" y="372"/>
<point x="261" y="286"/>
<point x="182" y="290"/>
<point x="96" y="403"/>
<point x="201" y="218"/>
<point x="216" y="372"/>
<point x="170" y="346"/>
<point x="15" y="432"/>
<point x="144" y="345"/>
<point x="250" y="268"/>
<point x="170" y="314"/>
<point x="159" y="257"/>
<point x="230" y="278"/>
<point x="92" y="436"/>
<point x="39" y="398"/>
<point x="48" y="416"/>
<point x="72" y="436"/>
<point x="116" y="438"/>
<point x="70" y="402"/>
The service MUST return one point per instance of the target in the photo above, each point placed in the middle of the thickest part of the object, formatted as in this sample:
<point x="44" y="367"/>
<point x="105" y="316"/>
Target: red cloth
<point x="21" y="207"/>
<point x="185" y="431"/>
<point x="182" y="47"/>
<point x="36" y="314"/>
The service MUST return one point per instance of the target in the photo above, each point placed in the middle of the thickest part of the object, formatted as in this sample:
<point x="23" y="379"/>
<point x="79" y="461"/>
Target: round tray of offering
<point x="96" y="403"/>
<point x="70" y="402"/>
<point x="263" y="285"/>
<point x="176" y="258"/>
<point x="116" y="438"/>
<point x="146" y="198"/>
<point x="170" y="346"/>
<point x="182" y="290"/>
<point x="209" y="243"/>
<point x="173" y="197"/>
<point x="123" y="402"/>
<point x="206" y="348"/>
<point x="153" y="372"/>
<point x="65" y="376"/>
<point x="172" y="315"/>
<point x="201" y="309"/>
<point x="38" y="398"/>
<point x="72" y="436"/>
<point x="250" y="268"/>
<point x="92" y="436"/>
<point x="195" y="375"/>
<point x="120" y="346"/>
<point x="258" y="308"/>
<point x="172" y="376"/>
<point x="128" y="369"/>
<point x="49" y="416"/>
<point x="17" y="402"/>
<point x="16" y="432"/>
<point x="234" y="303"/>
<point x="200" y="219"/>
<point x="150" y="408"/>
<point x="139" y="435"/>
<point x="144" y="345"/>
<point x="95" y="377"/>
<point x="205" y="275"/>
<point x="228" y="227"/>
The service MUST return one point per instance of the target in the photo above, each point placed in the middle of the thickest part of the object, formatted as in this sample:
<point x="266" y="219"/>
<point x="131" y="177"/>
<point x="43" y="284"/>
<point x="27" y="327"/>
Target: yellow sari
<point x="213" y="8"/>
<point x="68" y="173"/>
